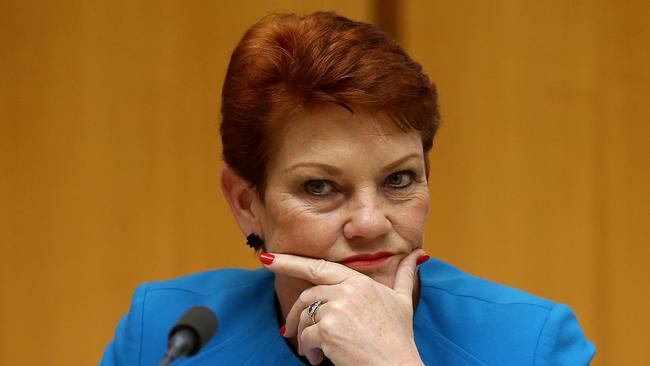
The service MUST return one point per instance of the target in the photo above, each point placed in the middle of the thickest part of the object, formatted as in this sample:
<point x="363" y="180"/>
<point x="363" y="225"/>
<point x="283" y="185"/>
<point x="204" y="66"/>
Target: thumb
<point x="405" y="275"/>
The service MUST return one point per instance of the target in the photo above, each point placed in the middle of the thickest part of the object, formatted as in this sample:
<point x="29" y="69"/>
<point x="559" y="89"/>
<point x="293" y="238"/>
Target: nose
<point x="366" y="217"/>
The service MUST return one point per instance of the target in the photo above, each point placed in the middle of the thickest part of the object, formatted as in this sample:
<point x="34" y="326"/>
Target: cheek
<point x="409" y="219"/>
<point x="295" y="229"/>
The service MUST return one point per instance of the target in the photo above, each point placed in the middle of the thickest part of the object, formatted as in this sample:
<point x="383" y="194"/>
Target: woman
<point x="326" y="128"/>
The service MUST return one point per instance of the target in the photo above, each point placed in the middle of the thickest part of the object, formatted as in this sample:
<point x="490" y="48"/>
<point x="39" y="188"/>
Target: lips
<point x="365" y="260"/>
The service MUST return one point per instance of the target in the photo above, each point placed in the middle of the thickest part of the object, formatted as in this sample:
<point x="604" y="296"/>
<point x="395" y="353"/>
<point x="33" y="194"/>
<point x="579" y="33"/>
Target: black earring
<point x="254" y="241"/>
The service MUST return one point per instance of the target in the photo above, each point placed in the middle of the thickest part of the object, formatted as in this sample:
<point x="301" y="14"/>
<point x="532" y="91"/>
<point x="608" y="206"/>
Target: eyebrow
<point x="400" y="161"/>
<point x="334" y="170"/>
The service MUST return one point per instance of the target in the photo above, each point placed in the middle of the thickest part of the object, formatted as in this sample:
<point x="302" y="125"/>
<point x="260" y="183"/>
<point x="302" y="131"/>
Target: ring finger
<point x="307" y="321"/>
<point x="311" y="339"/>
<point x="324" y="293"/>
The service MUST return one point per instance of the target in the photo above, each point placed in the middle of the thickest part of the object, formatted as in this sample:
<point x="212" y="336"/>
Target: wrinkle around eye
<point x="305" y="204"/>
<point x="416" y="191"/>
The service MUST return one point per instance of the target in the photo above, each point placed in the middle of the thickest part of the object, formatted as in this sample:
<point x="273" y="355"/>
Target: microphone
<point x="193" y="330"/>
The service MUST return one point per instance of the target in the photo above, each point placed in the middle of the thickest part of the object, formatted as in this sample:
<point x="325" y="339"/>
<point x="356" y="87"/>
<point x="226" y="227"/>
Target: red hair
<point x="286" y="62"/>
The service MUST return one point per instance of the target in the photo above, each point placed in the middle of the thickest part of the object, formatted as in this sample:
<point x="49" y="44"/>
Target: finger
<point x="316" y="271"/>
<point x="304" y="322"/>
<point x="307" y="321"/>
<point x="311" y="340"/>
<point x="306" y="298"/>
<point x="405" y="275"/>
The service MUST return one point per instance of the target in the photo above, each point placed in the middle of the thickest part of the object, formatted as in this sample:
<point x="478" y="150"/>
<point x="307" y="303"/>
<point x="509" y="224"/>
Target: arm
<point x="561" y="341"/>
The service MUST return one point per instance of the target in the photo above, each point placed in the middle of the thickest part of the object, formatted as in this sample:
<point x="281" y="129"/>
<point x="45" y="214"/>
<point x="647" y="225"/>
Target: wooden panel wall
<point x="541" y="170"/>
<point x="109" y="156"/>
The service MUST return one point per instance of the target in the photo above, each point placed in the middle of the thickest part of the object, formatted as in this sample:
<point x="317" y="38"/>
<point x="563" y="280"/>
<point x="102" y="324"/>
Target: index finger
<point x="316" y="271"/>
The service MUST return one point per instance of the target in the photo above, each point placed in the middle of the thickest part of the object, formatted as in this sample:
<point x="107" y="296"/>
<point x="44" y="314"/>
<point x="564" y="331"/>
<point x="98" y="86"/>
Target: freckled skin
<point x="362" y="213"/>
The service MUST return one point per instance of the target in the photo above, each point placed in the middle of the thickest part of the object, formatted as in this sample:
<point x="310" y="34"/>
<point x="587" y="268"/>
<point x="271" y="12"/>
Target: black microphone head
<point x="199" y="320"/>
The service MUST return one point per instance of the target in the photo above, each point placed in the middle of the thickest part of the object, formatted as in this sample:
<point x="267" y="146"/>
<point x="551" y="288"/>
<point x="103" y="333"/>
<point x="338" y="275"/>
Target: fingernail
<point x="282" y="330"/>
<point x="267" y="258"/>
<point x="422" y="259"/>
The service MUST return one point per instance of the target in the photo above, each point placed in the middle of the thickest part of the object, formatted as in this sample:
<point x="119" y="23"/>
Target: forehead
<point x="332" y="132"/>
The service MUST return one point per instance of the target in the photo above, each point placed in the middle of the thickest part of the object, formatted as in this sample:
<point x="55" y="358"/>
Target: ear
<point x="240" y="195"/>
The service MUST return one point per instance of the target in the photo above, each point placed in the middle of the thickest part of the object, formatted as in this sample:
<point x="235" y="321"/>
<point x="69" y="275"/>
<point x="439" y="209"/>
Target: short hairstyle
<point x="286" y="62"/>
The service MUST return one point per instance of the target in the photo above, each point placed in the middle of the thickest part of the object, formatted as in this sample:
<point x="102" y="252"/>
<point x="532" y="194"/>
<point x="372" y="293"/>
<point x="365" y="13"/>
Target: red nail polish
<point x="282" y="330"/>
<point x="422" y="259"/>
<point x="267" y="258"/>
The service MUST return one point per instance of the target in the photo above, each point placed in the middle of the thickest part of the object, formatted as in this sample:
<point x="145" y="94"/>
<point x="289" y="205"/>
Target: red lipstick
<point x="364" y="260"/>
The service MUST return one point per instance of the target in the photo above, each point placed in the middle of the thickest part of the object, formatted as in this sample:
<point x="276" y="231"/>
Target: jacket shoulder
<point x="497" y="324"/>
<point x="211" y="282"/>
<point x="440" y="276"/>
<point x="141" y="335"/>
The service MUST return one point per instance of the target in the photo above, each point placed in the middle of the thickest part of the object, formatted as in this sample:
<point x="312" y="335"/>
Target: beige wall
<point x="541" y="171"/>
<point x="109" y="157"/>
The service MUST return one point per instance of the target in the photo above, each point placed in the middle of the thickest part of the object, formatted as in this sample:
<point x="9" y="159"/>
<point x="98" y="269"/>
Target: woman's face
<point x="346" y="184"/>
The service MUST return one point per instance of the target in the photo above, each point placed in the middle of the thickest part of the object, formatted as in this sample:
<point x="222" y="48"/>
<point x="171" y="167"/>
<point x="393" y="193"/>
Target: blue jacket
<point x="460" y="320"/>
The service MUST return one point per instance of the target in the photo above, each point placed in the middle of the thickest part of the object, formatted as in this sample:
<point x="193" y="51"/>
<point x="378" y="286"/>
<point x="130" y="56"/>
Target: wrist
<point x="412" y="358"/>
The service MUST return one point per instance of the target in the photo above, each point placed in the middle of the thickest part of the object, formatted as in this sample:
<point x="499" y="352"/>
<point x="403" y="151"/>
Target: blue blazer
<point x="460" y="320"/>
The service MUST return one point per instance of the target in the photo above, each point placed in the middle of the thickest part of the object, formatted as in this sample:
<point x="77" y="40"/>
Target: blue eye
<point x="318" y="187"/>
<point x="401" y="179"/>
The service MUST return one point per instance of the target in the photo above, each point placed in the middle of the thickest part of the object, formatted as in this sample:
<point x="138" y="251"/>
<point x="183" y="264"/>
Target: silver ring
<point x="311" y="310"/>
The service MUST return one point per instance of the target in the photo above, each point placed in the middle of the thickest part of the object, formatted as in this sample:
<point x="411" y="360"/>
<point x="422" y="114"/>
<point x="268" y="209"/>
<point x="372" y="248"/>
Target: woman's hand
<point x="360" y="321"/>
